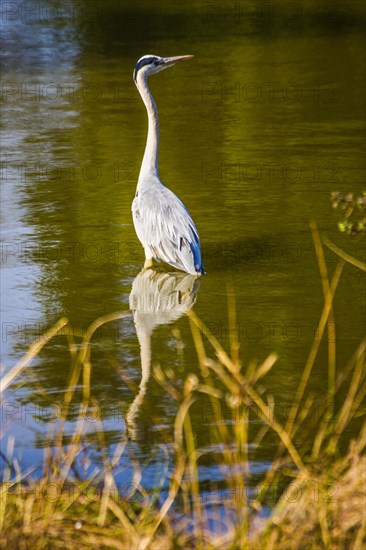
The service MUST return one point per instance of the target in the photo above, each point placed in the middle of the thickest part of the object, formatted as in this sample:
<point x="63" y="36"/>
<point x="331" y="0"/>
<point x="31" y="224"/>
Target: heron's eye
<point x="156" y="63"/>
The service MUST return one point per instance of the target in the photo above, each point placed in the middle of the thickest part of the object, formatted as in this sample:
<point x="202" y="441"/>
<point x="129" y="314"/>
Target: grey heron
<point x="162" y="222"/>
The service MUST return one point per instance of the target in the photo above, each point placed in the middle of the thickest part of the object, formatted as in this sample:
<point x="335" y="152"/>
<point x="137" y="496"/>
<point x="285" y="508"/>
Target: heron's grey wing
<point x="168" y="230"/>
<point x="138" y="220"/>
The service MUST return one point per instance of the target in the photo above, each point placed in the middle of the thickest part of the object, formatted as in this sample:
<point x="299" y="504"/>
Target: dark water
<point x="256" y="132"/>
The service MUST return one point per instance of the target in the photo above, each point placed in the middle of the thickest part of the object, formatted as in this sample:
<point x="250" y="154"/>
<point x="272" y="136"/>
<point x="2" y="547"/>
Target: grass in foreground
<point x="319" y="500"/>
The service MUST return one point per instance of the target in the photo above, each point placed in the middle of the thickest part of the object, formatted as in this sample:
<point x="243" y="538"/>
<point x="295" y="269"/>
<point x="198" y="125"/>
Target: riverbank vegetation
<point x="311" y="495"/>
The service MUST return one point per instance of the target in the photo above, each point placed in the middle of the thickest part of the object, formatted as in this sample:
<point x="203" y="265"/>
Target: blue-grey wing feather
<point x="166" y="229"/>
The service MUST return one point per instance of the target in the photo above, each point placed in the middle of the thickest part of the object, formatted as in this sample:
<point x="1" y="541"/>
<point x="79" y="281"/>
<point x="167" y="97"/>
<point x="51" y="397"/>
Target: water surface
<point x="256" y="132"/>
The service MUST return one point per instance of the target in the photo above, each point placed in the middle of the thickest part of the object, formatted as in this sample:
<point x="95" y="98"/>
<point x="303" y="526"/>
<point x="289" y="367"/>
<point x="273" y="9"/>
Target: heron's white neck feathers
<point x="149" y="165"/>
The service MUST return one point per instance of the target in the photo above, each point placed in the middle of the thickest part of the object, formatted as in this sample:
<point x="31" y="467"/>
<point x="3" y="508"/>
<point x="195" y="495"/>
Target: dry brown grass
<point x="320" y="500"/>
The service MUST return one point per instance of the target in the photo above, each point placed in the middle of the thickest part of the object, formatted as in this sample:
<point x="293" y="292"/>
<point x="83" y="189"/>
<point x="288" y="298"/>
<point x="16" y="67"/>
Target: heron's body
<point x="162" y="222"/>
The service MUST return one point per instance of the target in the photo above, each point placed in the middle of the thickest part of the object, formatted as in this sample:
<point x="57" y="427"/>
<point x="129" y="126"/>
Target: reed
<point x="312" y="496"/>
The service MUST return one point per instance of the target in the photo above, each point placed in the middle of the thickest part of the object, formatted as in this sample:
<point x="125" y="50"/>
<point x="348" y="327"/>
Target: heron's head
<point x="151" y="64"/>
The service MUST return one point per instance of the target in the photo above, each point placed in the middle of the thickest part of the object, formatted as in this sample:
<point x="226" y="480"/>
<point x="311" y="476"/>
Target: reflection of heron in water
<point x="156" y="299"/>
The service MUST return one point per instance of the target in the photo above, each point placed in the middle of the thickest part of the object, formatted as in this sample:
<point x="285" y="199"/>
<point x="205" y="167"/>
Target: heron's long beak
<point x="168" y="61"/>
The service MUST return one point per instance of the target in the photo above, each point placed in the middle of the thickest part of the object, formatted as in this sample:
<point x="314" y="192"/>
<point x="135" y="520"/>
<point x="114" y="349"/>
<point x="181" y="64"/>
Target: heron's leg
<point x="148" y="261"/>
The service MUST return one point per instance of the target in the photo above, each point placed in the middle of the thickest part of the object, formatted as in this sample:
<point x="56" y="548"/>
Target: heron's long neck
<point x="150" y="161"/>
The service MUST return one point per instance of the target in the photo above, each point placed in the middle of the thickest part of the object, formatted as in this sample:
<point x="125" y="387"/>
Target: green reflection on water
<point x="256" y="132"/>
